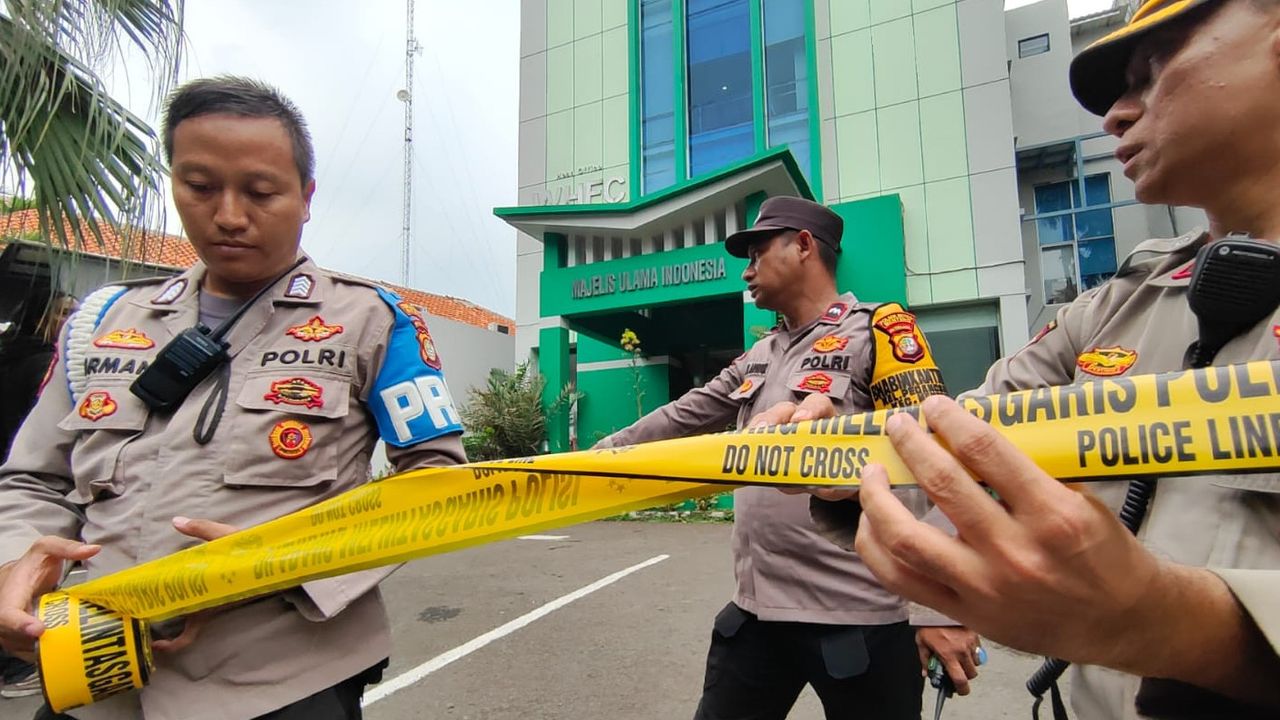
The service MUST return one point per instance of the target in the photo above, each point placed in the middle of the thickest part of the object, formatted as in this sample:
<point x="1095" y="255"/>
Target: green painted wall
<point x="873" y="264"/>
<point x="553" y="363"/>
<point x="608" y="403"/>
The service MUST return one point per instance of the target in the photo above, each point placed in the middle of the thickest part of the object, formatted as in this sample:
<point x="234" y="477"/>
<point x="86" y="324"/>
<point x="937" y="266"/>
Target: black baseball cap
<point x="782" y="213"/>
<point x="1098" y="72"/>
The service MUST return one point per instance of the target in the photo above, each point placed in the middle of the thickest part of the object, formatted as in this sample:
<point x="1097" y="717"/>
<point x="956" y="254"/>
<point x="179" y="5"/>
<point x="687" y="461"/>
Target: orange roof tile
<point x="171" y="251"/>
<point x="150" y="248"/>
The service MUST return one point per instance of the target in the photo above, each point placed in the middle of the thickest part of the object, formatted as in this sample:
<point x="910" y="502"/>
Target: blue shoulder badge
<point x="409" y="398"/>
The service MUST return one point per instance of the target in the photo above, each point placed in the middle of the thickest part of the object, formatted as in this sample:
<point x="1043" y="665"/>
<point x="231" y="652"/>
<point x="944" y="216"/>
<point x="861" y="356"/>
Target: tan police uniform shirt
<point x="1140" y="323"/>
<point x="785" y="571"/>
<point x="307" y="361"/>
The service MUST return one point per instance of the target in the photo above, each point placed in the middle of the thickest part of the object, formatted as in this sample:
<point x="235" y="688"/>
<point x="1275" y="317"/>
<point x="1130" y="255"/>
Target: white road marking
<point x="404" y="680"/>
<point x="551" y="538"/>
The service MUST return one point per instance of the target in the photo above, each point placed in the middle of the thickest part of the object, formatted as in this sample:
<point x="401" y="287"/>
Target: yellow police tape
<point x="1215" y="420"/>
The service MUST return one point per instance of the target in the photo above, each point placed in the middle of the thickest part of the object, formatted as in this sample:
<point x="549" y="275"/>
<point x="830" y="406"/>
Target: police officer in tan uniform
<point x="805" y="611"/>
<point x="1192" y="91"/>
<point x="320" y="365"/>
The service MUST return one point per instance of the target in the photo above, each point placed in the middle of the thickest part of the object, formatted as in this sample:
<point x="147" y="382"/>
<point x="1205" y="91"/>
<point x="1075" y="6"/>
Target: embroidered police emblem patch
<point x="296" y="391"/>
<point x="130" y="339"/>
<point x="314" y="330"/>
<point x="97" y="405"/>
<point x="290" y="439"/>
<point x="904" y="338"/>
<point x="1107" y="361"/>
<point x="817" y="382"/>
<point x="426" y="346"/>
<point x="830" y="343"/>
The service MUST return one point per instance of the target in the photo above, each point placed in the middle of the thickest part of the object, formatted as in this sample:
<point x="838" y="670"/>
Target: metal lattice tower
<point x="406" y="96"/>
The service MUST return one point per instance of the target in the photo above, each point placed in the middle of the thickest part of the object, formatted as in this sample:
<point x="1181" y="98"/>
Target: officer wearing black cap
<point x="805" y="611"/>
<point x="1184" y="620"/>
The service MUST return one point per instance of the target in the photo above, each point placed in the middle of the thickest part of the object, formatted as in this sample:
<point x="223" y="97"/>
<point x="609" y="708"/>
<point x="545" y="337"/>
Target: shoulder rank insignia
<point x="1185" y="272"/>
<point x="296" y="391"/>
<point x="835" y="312"/>
<point x="97" y="405"/>
<point x="131" y="339"/>
<point x="830" y="343"/>
<point x="290" y="439"/>
<point x="1107" y="361"/>
<point x="745" y="386"/>
<point x="904" y="338"/>
<point x="816" y="382"/>
<point x="426" y="345"/>
<point x="170" y="293"/>
<point x="1048" y="328"/>
<point x="300" y="287"/>
<point x="314" y="330"/>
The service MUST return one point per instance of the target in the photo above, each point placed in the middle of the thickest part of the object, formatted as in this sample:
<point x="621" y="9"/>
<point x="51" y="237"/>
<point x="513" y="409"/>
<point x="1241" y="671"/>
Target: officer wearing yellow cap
<point x="1190" y="609"/>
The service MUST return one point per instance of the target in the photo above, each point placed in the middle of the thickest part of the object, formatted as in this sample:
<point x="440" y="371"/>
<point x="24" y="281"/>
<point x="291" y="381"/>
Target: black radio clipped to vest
<point x="179" y="367"/>
<point x="189" y="358"/>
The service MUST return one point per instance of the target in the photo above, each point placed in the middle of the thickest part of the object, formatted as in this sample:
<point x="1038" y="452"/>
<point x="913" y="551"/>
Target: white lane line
<point x="410" y="677"/>
<point x="543" y="537"/>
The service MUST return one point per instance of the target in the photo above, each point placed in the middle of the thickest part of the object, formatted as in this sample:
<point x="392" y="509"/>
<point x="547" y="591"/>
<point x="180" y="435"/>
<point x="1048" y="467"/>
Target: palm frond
<point x="82" y="155"/>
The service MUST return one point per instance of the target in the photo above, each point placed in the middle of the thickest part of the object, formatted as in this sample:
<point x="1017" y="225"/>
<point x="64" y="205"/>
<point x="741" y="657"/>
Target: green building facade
<point x="652" y="129"/>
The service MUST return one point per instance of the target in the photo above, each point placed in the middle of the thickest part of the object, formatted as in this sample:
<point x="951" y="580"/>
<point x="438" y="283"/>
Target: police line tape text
<point x="1243" y="437"/>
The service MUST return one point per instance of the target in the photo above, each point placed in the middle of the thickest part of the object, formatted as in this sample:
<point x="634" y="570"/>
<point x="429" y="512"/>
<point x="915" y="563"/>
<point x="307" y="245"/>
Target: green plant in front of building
<point x="506" y="418"/>
<point x="630" y="342"/>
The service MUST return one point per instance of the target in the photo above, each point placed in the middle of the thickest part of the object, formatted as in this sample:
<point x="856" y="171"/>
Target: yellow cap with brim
<point x="1098" y="72"/>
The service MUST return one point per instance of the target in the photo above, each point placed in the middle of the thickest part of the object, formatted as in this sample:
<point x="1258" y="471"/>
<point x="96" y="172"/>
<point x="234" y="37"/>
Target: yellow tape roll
<point x="89" y="653"/>
<point x="1210" y="421"/>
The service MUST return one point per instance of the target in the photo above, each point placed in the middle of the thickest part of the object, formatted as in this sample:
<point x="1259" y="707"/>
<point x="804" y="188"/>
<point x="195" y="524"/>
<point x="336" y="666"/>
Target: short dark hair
<point x="826" y="253"/>
<point x="246" y="97"/>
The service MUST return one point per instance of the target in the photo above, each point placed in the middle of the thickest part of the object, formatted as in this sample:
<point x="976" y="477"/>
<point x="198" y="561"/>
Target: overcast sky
<point x="342" y="63"/>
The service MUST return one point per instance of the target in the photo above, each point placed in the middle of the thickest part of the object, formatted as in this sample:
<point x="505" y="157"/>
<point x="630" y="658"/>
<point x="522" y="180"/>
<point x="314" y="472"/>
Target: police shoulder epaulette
<point x="352" y="280"/>
<point x="143" y="281"/>
<point x="1150" y="255"/>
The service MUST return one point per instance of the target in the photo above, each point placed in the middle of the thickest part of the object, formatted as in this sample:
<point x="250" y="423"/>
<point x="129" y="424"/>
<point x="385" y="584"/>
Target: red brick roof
<point x="172" y="251"/>
<point x="151" y="248"/>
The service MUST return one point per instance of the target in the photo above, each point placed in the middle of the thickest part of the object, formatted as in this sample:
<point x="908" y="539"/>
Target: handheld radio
<point x="187" y="360"/>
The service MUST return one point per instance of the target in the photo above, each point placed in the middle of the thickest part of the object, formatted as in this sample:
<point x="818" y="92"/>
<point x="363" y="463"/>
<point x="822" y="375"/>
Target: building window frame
<point x="1088" y="205"/>
<point x="1032" y="46"/>
<point x="679" y="10"/>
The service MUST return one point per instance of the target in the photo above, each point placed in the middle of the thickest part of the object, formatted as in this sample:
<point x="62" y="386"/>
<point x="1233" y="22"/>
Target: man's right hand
<point x="815" y="406"/>
<point x="24" y="580"/>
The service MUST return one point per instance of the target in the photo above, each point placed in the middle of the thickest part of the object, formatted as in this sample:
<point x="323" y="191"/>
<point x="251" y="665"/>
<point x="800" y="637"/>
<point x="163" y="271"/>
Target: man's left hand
<point x="957" y="650"/>
<point x="203" y="530"/>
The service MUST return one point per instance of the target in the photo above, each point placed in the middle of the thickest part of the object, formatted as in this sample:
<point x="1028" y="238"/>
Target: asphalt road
<point x="600" y="643"/>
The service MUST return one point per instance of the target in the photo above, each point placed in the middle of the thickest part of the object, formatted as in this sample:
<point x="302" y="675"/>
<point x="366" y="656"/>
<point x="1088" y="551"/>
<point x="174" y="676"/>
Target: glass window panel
<point x="786" y="77"/>
<point x="657" y="96"/>
<point x="1055" y="230"/>
<point x="1094" y="224"/>
<point x="1097" y="261"/>
<point x="1058" y="267"/>
<point x="720" y="95"/>
<point x="1097" y="189"/>
<point x="1037" y="45"/>
<point x="1053" y="197"/>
